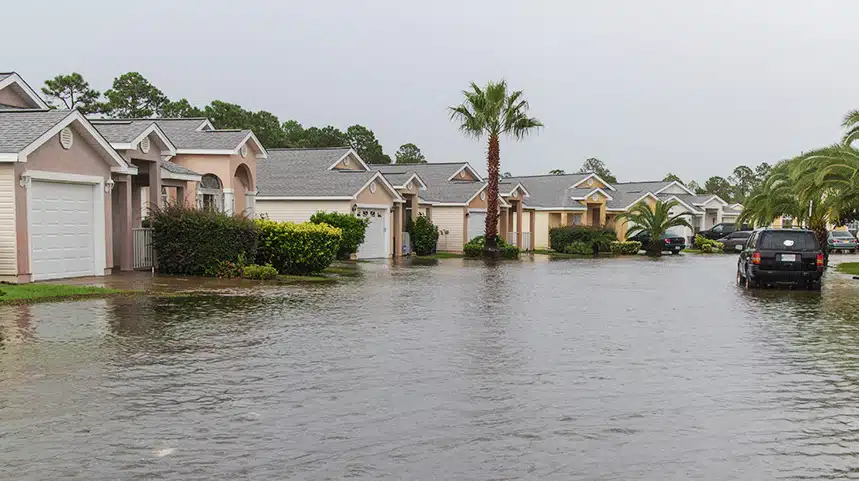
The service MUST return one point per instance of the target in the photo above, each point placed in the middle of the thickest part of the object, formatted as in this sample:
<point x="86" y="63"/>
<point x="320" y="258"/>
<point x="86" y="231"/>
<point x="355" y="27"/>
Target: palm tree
<point x="493" y="111"/>
<point x="851" y="123"/>
<point x="653" y="222"/>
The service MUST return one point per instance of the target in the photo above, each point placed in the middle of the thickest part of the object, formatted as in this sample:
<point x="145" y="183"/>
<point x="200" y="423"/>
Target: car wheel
<point x="741" y="281"/>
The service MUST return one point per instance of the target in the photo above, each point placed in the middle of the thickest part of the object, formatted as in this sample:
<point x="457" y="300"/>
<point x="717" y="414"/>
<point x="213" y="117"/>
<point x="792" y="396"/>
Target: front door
<point x="595" y="216"/>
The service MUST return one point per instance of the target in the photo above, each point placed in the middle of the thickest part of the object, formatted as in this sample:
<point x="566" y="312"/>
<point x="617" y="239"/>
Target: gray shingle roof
<point x="121" y="131"/>
<point x="184" y="135"/>
<point x="435" y="176"/>
<point x="18" y="129"/>
<point x="304" y="173"/>
<point x="625" y="194"/>
<point x="176" y="168"/>
<point x="549" y="190"/>
<point x="397" y="179"/>
<point x="692" y="200"/>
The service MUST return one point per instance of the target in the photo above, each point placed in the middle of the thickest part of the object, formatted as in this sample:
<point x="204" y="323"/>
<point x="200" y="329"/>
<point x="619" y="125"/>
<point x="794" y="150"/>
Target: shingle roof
<point x="399" y="178"/>
<point x="549" y="190"/>
<point x="18" y="129"/>
<point x="692" y="200"/>
<point x="176" y="168"/>
<point x="184" y="135"/>
<point x="121" y="131"/>
<point x="304" y="173"/>
<point x="626" y="193"/>
<point x="435" y="176"/>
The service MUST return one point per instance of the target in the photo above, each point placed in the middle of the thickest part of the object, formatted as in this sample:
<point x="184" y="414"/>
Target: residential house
<point x="294" y="184"/>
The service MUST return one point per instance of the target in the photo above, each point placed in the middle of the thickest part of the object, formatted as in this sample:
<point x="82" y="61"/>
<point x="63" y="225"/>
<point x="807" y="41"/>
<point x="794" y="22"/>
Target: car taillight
<point x="756" y="258"/>
<point x="667" y="241"/>
<point x="819" y="260"/>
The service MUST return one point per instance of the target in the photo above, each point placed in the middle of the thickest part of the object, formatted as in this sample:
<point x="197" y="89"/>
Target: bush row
<point x="625" y="248"/>
<point x="353" y="230"/>
<point x="474" y="248"/>
<point x="708" y="246"/>
<point x="561" y="237"/>
<point x="297" y="248"/>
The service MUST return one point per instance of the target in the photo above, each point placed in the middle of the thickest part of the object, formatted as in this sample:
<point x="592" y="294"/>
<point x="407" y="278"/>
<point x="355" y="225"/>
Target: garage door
<point x="375" y="238"/>
<point x="62" y="230"/>
<point x="476" y="224"/>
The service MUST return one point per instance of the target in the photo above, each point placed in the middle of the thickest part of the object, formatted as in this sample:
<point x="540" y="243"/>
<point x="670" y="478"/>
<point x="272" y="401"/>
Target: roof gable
<point x="14" y="83"/>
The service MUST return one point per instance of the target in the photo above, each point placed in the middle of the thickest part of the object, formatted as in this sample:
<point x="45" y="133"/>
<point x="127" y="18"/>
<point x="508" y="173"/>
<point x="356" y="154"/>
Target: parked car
<point x="781" y="256"/>
<point x="723" y="229"/>
<point x="842" y="240"/>
<point x="735" y="241"/>
<point x="672" y="243"/>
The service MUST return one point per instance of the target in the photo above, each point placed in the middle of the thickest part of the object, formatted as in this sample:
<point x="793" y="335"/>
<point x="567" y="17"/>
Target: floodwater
<point x="540" y="370"/>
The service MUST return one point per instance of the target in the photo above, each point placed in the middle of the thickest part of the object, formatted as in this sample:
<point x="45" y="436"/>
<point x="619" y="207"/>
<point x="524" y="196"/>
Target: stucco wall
<point x="81" y="159"/>
<point x="8" y="247"/>
<point x="478" y="203"/>
<point x="452" y="220"/>
<point x="541" y="236"/>
<point x="674" y="189"/>
<point x="9" y="97"/>
<point x="299" y="210"/>
<point x="381" y="197"/>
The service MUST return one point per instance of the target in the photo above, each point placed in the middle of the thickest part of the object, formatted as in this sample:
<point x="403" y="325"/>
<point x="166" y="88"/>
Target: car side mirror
<point x="738" y="248"/>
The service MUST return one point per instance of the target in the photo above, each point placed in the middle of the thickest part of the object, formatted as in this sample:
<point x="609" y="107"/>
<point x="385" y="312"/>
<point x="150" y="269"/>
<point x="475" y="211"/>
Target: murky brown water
<point x="610" y="369"/>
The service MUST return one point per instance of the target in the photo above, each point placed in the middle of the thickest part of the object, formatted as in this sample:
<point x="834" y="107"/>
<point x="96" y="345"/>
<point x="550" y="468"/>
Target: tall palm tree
<point x="654" y="222"/>
<point x="851" y="123"/>
<point x="493" y="111"/>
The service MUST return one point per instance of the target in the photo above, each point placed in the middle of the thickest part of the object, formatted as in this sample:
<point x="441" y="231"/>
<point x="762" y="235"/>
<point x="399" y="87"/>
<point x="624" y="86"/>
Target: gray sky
<point x="691" y="87"/>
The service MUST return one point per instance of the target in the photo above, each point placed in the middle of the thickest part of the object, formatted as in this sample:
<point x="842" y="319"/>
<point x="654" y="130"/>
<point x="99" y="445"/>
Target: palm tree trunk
<point x="822" y="235"/>
<point x="493" y="165"/>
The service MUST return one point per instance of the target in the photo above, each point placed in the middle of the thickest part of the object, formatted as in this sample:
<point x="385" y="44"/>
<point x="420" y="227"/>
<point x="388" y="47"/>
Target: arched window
<point x="210" y="193"/>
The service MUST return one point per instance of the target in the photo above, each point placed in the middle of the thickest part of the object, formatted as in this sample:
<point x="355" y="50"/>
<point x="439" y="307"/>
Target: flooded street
<point x="574" y="369"/>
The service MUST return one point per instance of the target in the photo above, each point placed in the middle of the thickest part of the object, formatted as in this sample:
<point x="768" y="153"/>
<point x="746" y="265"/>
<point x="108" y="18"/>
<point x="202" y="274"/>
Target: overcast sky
<point x="691" y="87"/>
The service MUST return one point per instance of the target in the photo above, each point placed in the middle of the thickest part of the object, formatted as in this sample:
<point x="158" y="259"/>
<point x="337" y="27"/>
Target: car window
<point x="739" y="235"/>
<point x="842" y="234"/>
<point x="753" y="239"/>
<point x="717" y="229"/>
<point x="792" y="241"/>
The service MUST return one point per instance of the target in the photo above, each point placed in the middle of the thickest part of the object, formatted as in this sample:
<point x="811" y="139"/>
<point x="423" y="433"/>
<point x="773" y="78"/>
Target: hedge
<point x="474" y="248"/>
<point x="192" y="241"/>
<point x="424" y="235"/>
<point x="262" y="273"/>
<point x="625" y="248"/>
<point x="297" y="248"/>
<point x="708" y="246"/>
<point x="353" y="228"/>
<point x="561" y="237"/>
<point x="579" y="248"/>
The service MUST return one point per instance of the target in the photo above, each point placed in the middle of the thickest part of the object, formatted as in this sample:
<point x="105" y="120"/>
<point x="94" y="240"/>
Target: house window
<point x="210" y="193"/>
<point x="577" y="219"/>
<point x="164" y="197"/>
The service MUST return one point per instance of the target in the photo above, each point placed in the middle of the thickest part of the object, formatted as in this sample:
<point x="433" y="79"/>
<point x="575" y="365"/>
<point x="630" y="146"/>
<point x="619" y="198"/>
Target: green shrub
<point x="579" y="248"/>
<point x="262" y="273"/>
<point x="708" y="246"/>
<point x="297" y="248"/>
<point x="474" y="248"/>
<point x="561" y="237"/>
<point x="424" y="236"/>
<point x="625" y="248"/>
<point x="193" y="241"/>
<point x="353" y="228"/>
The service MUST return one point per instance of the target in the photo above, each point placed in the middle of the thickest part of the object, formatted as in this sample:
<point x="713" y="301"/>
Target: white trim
<point x="714" y="196"/>
<point x="227" y="191"/>
<point x="347" y="154"/>
<point x="517" y="186"/>
<point x="470" y="168"/>
<point x="450" y="204"/>
<point x="477" y="210"/>
<point x="585" y="198"/>
<point x="372" y="206"/>
<point x="8" y="157"/>
<point x="121" y="145"/>
<point x="74" y="115"/>
<point x="205" y="151"/>
<point x="571" y="209"/>
<point x="478" y="193"/>
<point x="206" y="123"/>
<point x="171" y="149"/>
<point x="592" y="175"/>
<point x="262" y="152"/>
<point x="270" y="197"/>
<point x="684" y="203"/>
<point x="99" y="241"/>
<point x="131" y="169"/>
<point x="678" y="184"/>
<point x="166" y="174"/>
<point x="16" y="79"/>
<point x="413" y="177"/>
<point x="385" y="182"/>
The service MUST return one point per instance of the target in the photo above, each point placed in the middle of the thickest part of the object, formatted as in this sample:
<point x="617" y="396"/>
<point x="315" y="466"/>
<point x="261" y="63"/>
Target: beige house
<point x="58" y="176"/>
<point x="294" y="184"/>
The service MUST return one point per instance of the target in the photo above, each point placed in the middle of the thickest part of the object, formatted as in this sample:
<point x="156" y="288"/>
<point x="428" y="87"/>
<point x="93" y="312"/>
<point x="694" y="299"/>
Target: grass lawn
<point x="26" y="293"/>
<point x="851" y="268"/>
<point x="288" y="279"/>
<point x="442" y="255"/>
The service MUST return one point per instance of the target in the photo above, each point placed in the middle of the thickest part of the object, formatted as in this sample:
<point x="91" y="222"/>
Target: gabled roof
<point x="127" y="134"/>
<point x="170" y="170"/>
<point x="14" y="81"/>
<point x="22" y="132"/>
<point x="436" y="177"/>
<point x="194" y="136"/>
<point x="296" y="173"/>
<point x="549" y="191"/>
<point x="592" y="175"/>
<point x="400" y="180"/>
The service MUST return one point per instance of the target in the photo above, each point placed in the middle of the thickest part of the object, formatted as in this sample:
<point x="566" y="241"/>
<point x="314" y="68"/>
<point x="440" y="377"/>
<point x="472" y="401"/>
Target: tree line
<point x="132" y="96"/>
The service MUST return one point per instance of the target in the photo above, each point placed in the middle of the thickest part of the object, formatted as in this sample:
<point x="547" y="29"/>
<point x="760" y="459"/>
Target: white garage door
<point x="62" y="230"/>
<point x="476" y="224"/>
<point x="376" y="237"/>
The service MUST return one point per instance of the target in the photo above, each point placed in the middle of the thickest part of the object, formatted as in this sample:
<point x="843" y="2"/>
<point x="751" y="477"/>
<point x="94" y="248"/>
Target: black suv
<point x="722" y="230"/>
<point x="781" y="256"/>
<point x="671" y="243"/>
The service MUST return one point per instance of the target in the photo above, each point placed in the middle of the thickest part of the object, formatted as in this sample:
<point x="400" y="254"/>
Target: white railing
<point x="144" y="254"/>
<point x="407" y="244"/>
<point x="511" y="238"/>
<point x="526" y="240"/>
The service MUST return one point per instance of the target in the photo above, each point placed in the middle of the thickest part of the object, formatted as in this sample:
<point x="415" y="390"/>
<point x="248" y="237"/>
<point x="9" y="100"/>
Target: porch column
<point x="703" y="222"/>
<point x="413" y="203"/>
<point x="509" y="223"/>
<point x="532" y="228"/>
<point x="519" y="224"/>
<point x="429" y="213"/>
<point x="398" y="230"/>
<point x="229" y="201"/>
<point x="602" y="214"/>
<point x="126" y="223"/>
<point x="719" y="213"/>
<point x="251" y="204"/>
<point x="180" y="195"/>
<point x="563" y="219"/>
<point x="502" y="221"/>
<point x="155" y="184"/>
<point x="136" y="205"/>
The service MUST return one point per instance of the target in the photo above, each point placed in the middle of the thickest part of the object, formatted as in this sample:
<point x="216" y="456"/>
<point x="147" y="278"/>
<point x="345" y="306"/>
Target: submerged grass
<point x="851" y="268"/>
<point x="27" y="293"/>
<point x="442" y="255"/>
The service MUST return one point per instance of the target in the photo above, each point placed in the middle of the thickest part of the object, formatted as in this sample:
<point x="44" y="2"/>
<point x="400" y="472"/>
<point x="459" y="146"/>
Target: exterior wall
<point x="380" y="197"/>
<point x="9" y="97"/>
<point x="477" y="203"/>
<point x="209" y="164"/>
<point x="596" y="185"/>
<point x="674" y="189"/>
<point x="299" y="210"/>
<point x="81" y="159"/>
<point x="348" y="163"/>
<point x="414" y="190"/>
<point x="542" y="226"/>
<point x="8" y="241"/>
<point x="464" y="175"/>
<point x="451" y="219"/>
